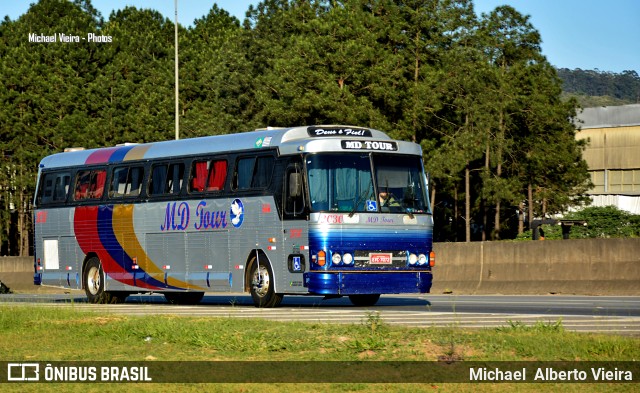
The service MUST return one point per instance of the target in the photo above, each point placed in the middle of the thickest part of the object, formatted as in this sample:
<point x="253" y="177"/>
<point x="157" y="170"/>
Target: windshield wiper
<point x="361" y="198"/>
<point x="409" y="212"/>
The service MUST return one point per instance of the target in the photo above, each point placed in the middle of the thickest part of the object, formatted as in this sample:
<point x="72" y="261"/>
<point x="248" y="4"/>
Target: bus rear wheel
<point x="94" y="284"/>
<point x="262" y="286"/>
<point x="364" y="300"/>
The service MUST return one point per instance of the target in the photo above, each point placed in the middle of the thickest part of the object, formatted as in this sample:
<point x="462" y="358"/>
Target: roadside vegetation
<point x="602" y="222"/>
<point x="35" y="333"/>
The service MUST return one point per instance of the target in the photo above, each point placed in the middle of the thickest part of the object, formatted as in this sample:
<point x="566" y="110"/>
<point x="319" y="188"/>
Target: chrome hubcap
<point x="261" y="281"/>
<point x="93" y="280"/>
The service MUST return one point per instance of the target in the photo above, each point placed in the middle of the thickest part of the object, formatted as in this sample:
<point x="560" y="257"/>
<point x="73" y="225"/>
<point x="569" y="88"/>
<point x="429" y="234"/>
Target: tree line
<point x="474" y="91"/>
<point x="601" y="88"/>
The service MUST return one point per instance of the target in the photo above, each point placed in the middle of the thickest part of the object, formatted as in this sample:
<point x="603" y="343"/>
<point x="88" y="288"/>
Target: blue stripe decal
<point x="119" y="154"/>
<point x="114" y="248"/>
<point x="371" y="239"/>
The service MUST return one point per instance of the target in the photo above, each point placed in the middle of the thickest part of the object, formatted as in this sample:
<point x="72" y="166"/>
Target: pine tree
<point x="43" y="101"/>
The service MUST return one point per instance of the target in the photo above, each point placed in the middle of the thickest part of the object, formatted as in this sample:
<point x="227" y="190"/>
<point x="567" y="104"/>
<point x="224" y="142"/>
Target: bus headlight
<point x="413" y="258"/>
<point x="422" y="259"/>
<point x="347" y="258"/>
<point x="336" y="259"/>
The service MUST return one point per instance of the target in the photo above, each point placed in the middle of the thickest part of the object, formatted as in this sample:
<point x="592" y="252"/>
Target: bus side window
<point x="167" y="179"/>
<point x="176" y="174"/>
<point x="96" y="188"/>
<point x="134" y="181"/>
<point x="252" y="172"/>
<point x="47" y="190"/>
<point x="90" y="184"/>
<point x="158" y="180"/>
<point x="83" y="180"/>
<point x="118" y="182"/>
<point x="244" y="173"/>
<point x="55" y="187"/>
<point x="208" y="175"/>
<point x="294" y="200"/>
<point x="217" y="175"/>
<point x="199" y="172"/>
<point x="126" y="182"/>
<point x="262" y="172"/>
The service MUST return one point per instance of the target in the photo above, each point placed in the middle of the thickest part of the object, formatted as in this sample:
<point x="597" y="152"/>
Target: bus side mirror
<point x="295" y="185"/>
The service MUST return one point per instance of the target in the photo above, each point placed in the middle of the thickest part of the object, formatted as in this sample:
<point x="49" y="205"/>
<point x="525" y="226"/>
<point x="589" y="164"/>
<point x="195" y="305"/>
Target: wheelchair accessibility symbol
<point x="372" y="206"/>
<point x="297" y="266"/>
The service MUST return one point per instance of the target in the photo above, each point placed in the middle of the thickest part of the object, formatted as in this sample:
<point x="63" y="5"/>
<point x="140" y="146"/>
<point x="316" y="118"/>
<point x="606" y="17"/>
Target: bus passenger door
<point x="295" y="228"/>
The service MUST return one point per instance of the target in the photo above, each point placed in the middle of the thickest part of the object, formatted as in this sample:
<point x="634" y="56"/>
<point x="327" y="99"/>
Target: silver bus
<point x="318" y="210"/>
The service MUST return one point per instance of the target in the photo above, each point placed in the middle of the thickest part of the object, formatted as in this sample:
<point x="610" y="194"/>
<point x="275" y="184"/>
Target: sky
<point x="586" y="34"/>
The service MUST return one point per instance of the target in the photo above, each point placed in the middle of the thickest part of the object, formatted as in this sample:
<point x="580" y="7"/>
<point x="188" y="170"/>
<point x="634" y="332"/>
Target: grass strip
<point x="34" y="333"/>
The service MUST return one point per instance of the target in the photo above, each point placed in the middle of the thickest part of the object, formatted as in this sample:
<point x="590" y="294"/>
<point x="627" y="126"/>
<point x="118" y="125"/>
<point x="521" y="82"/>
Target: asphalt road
<point x="604" y="314"/>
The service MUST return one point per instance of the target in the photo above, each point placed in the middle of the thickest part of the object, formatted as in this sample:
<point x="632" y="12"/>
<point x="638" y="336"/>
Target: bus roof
<point x="294" y="140"/>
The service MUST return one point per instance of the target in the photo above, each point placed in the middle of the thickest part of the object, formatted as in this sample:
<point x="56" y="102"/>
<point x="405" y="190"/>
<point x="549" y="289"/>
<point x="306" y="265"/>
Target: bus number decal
<point x="331" y="219"/>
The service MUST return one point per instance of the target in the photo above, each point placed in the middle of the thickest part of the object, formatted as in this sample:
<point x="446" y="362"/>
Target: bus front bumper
<point x="361" y="283"/>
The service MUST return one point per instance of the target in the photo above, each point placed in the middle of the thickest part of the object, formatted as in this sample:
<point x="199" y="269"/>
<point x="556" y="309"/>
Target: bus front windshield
<point x="366" y="183"/>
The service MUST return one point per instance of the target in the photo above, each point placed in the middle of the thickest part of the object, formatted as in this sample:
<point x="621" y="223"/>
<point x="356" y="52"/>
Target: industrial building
<point x="613" y="154"/>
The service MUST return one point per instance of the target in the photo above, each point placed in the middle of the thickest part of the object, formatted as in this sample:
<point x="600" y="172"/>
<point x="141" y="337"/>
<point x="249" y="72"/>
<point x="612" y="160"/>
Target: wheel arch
<point x="251" y="260"/>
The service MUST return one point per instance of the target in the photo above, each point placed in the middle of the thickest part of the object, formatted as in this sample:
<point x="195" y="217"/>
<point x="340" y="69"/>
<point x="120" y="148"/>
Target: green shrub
<point x="604" y="222"/>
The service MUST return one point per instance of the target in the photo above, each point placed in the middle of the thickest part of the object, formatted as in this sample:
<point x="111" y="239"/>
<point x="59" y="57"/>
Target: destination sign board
<point x="318" y="132"/>
<point x="369" y="145"/>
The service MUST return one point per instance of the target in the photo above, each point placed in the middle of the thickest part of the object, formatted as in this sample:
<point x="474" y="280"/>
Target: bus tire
<point x="364" y="300"/>
<point x="262" y="285"/>
<point x="183" y="298"/>
<point x="94" y="284"/>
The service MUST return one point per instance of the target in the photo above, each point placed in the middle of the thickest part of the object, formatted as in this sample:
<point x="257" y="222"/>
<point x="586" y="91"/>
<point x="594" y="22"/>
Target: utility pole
<point x="176" y="74"/>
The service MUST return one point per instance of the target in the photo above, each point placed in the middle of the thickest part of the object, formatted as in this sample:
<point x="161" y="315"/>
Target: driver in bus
<point x="387" y="199"/>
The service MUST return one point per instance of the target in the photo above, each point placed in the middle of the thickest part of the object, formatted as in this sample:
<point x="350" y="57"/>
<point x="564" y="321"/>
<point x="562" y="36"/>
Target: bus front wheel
<point x="262" y="286"/>
<point x="94" y="284"/>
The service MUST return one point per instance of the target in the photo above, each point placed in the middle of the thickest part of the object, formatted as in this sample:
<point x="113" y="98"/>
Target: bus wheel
<point x="364" y="300"/>
<point x="94" y="284"/>
<point x="262" y="282"/>
<point x="183" y="297"/>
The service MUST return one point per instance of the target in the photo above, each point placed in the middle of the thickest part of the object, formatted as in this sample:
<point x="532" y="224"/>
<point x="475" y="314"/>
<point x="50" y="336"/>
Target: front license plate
<point x="380" y="259"/>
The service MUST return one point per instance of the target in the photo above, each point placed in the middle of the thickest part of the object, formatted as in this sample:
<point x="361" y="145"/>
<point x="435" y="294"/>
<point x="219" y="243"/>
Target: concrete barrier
<point x="585" y="267"/>
<point x="17" y="273"/>
<point x="16" y="264"/>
